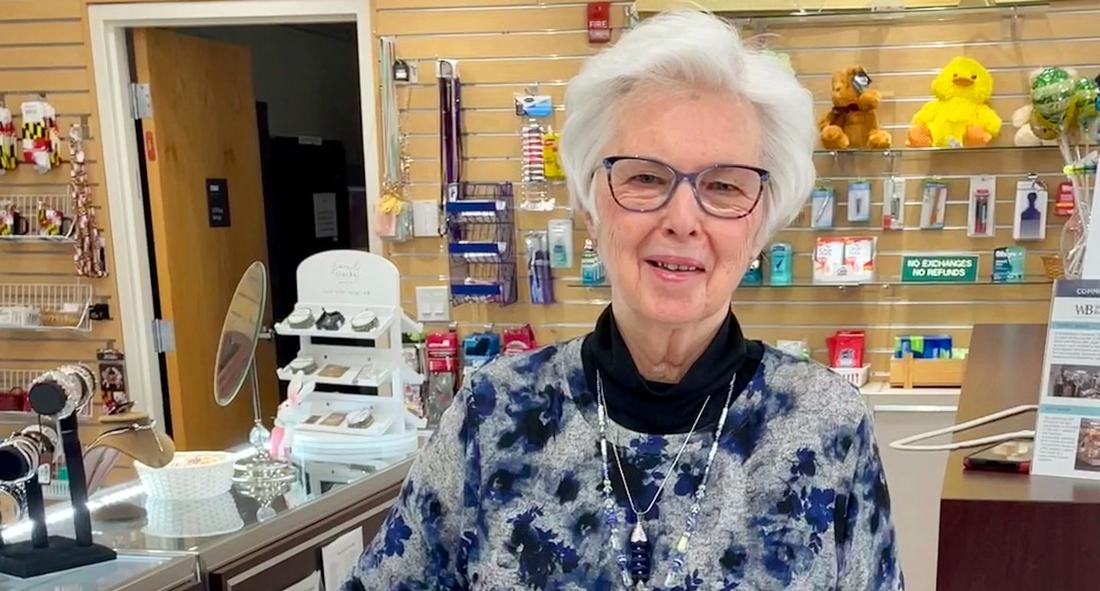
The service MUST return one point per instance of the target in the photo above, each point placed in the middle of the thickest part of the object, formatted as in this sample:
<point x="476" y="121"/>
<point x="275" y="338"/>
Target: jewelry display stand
<point x="44" y="553"/>
<point x="350" y="283"/>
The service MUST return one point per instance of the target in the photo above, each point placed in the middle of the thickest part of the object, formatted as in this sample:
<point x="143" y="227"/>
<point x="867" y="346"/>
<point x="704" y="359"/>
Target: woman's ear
<point x="589" y="225"/>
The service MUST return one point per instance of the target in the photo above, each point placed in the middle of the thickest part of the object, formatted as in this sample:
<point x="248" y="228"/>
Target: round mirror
<point x="240" y="332"/>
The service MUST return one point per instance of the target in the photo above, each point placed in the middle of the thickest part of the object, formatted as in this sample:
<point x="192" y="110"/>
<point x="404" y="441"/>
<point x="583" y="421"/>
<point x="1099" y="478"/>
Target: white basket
<point x="192" y="519"/>
<point x="181" y="480"/>
<point x="856" y="376"/>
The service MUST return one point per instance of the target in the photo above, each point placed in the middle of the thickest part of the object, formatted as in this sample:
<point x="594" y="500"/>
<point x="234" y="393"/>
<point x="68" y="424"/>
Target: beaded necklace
<point x="635" y="569"/>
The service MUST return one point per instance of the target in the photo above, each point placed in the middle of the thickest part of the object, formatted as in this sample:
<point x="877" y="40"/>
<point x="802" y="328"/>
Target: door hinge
<point x="164" y="336"/>
<point x="141" y="101"/>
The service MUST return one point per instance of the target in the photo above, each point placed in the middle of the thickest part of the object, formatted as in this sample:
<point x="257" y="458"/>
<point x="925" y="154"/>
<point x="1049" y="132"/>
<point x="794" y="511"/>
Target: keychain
<point x="8" y="141"/>
<point x="41" y="139"/>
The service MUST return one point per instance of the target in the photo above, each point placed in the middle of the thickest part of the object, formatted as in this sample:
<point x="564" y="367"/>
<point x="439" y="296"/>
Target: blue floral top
<point x="508" y="492"/>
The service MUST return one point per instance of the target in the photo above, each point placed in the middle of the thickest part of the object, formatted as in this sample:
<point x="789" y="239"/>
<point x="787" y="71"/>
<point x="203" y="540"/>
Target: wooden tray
<point x="910" y="372"/>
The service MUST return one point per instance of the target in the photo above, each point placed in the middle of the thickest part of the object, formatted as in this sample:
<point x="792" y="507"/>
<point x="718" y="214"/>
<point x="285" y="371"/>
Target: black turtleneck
<point x="660" y="408"/>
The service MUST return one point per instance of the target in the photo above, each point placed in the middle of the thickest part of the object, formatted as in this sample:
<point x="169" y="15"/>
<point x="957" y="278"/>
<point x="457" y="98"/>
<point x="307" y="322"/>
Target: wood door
<point x="203" y="127"/>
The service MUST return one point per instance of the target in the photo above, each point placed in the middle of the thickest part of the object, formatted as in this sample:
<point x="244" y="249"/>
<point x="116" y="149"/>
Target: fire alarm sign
<point x="599" y="22"/>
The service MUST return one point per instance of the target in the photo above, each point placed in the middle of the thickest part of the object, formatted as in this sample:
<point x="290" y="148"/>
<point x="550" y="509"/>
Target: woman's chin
<point x="673" y="310"/>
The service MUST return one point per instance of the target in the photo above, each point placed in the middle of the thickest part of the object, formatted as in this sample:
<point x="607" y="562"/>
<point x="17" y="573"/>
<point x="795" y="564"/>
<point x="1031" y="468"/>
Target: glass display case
<point x="129" y="572"/>
<point x="221" y="533"/>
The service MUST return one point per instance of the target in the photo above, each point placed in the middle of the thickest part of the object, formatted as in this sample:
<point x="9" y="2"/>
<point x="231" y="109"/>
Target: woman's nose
<point x="682" y="214"/>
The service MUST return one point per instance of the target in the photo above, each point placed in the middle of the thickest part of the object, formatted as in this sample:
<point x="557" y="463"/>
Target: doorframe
<point x="110" y="66"/>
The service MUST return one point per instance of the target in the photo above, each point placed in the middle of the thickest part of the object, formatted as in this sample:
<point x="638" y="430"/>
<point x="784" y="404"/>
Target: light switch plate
<point x="433" y="303"/>
<point x="425" y="218"/>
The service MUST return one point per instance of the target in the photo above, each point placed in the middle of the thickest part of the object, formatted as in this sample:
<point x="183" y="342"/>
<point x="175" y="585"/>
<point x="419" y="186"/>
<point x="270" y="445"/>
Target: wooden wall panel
<point x="43" y="49"/>
<point x="507" y="45"/>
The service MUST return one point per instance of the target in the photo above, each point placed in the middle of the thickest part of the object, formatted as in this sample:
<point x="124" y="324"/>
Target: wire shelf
<point x="29" y="207"/>
<point x="29" y="306"/>
<point x="481" y="243"/>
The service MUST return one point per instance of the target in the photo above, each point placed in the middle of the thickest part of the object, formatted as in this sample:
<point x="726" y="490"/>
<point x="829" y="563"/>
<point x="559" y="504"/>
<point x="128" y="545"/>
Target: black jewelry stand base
<point x="23" y="560"/>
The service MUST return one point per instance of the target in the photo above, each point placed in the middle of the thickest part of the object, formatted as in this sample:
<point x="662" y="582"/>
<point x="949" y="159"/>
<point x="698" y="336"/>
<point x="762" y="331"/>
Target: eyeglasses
<point x="724" y="190"/>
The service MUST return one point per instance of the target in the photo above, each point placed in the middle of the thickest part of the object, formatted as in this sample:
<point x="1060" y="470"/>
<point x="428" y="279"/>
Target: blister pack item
<point x="441" y="392"/>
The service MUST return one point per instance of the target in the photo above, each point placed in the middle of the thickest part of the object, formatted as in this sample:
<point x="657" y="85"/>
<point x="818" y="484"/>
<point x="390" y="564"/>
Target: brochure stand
<point x="352" y="370"/>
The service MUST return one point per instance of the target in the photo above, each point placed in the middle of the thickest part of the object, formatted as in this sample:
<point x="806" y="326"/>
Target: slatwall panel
<point x="43" y="50"/>
<point x="504" y="46"/>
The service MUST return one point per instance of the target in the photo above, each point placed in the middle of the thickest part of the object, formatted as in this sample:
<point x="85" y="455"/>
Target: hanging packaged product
<point x="41" y="139"/>
<point x="450" y="133"/>
<point x="1064" y="205"/>
<point x="539" y="279"/>
<point x="859" y="201"/>
<point x="591" y="268"/>
<point x="983" y="198"/>
<point x="561" y="243"/>
<point x="781" y="258"/>
<point x="551" y="161"/>
<point x="1029" y="220"/>
<point x="1009" y="264"/>
<point x="844" y="260"/>
<point x="90" y="258"/>
<point x="893" y="203"/>
<point x="112" y="381"/>
<point x="535" y="192"/>
<point x="518" y="341"/>
<point x="478" y="349"/>
<point x="8" y="141"/>
<point x="754" y="275"/>
<point x="394" y="220"/>
<point x="933" y="204"/>
<point x="821" y="207"/>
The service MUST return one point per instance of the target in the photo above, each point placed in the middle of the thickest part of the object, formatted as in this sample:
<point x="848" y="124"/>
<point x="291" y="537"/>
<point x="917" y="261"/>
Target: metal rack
<point x="481" y="243"/>
<point x="39" y="306"/>
<point x="28" y="206"/>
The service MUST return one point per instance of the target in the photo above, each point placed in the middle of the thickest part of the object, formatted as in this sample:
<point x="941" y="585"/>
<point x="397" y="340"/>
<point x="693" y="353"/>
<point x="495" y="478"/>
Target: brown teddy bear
<point x="852" y="122"/>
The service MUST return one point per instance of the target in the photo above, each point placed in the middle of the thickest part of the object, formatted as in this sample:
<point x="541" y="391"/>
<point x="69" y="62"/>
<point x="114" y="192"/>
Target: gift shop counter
<point x="241" y="540"/>
<point x="1010" y="531"/>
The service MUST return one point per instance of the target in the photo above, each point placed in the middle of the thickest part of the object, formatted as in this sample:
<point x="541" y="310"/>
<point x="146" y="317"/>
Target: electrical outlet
<point x="425" y="218"/>
<point x="433" y="303"/>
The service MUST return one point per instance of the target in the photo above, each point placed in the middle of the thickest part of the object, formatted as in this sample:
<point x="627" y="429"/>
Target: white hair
<point x="697" y="50"/>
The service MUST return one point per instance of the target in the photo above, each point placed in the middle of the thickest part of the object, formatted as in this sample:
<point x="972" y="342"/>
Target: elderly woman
<point x="663" y="450"/>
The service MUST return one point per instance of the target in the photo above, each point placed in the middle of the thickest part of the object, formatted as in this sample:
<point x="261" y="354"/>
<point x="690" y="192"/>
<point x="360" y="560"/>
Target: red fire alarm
<point x="599" y="22"/>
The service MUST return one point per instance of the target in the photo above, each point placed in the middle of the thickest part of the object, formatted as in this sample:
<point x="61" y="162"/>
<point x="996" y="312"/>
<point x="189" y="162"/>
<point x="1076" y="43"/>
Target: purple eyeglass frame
<point x="690" y="178"/>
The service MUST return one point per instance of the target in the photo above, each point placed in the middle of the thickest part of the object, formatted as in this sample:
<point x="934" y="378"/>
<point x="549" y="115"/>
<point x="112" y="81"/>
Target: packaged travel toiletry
<point x="893" y="203"/>
<point x="859" y="201"/>
<point x="782" y="257"/>
<point x="798" y="349"/>
<point x="755" y="273"/>
<point x="591" y="267"/>
<point x="1008" y="264"/>
<point x="847" y="259"/>
<point x="846" y="348"/>
<point x="1029" y="220"/>
<point x="933" y="205"/>
<point x="923" y="346"/>
<point x="540" y="281"/>
<point x="983" y="198"/>
<point x="1064" y="204"/>
<point x="561" y="243"/>
<point x="821" y="207"/>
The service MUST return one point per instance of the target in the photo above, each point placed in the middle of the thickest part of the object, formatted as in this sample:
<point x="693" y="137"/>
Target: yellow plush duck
<point x="960" y="114"/>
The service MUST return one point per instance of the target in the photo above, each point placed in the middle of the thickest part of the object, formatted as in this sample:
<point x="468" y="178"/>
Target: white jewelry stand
<point x="350" y="282"/>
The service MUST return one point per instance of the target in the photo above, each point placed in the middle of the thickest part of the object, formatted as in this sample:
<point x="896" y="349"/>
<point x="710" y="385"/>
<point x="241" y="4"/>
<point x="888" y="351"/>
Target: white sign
<point x="324" y="215"/>
<point x="338" y="558"/>
<point x="1067" y="433"/>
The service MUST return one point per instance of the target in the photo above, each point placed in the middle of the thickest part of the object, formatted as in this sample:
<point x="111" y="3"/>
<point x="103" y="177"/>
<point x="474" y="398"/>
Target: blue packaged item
<point x="479" y="348"/>
<point x="755" y="273"/>
<point x="781" y="260"/>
